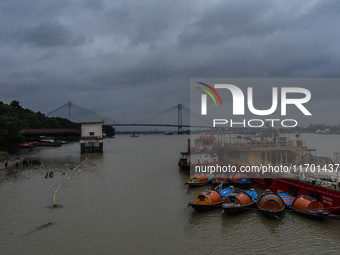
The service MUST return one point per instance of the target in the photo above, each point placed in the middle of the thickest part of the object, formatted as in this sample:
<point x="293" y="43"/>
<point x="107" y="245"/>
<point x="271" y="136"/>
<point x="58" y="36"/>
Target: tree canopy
<point x="13" y="118"/>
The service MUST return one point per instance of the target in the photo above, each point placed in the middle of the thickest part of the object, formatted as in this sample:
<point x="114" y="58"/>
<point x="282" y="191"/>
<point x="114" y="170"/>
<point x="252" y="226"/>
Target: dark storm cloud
<point x="94" y="5"/>
<point x="126" y="59"/>
<point x="148" y="32"/>
<point x="51" y="34"/>
<point x="225" y="21"/>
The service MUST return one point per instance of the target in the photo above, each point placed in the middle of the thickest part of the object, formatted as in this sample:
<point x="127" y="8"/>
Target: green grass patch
<point x="3" y="155"/>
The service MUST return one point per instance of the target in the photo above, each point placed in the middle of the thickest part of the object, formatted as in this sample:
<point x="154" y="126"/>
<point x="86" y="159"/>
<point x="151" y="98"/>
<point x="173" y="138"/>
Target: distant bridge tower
<point x="180" y="122"/>
<point x="69" y="105"/>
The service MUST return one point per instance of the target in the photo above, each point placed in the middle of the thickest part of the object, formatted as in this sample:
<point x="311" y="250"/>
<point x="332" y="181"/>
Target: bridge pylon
<point x="180" y="122"/>
<point x="69" y="105"/>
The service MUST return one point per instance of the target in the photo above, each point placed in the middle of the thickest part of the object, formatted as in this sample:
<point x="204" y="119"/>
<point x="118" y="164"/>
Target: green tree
<point x="13" y="118"/>
<point x="108" y="130"/>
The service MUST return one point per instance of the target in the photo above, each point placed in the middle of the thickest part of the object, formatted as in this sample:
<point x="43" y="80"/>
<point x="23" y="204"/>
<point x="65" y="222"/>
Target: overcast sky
<point x="131" y="59"/>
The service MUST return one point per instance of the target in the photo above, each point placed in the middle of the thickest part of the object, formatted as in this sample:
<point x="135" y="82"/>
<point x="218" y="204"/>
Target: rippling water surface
<point x="132" y="200"/>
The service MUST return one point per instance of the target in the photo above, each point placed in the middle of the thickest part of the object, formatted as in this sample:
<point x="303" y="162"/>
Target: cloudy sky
<point x="131" y="59"/>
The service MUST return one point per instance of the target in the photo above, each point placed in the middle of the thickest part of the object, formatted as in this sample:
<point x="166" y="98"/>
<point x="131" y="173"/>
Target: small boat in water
<point x="207" y="200"/>
<point x="270" y="204"/>
<point x="219" y="178"/>
<point x="287" y="199"/>
<point x="240" y="180"/>
<point x="199" y="180"/>
<point x="304" y="205"/>
<point x="211" y="198"/>
<point x="224" y="189"/>
<point x="237" y="202"/>
<point x="26" y="145"/>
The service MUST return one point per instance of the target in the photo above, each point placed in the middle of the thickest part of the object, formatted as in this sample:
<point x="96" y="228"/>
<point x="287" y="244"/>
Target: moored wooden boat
<point x="219" y="178"/>
<point x="270" y="204"/>
<point x="224" y="190"/>
<point x="207" y="200"/>
<point x="304" y="205"/>
<point x="26" y="145"/>
<point x="329" y="198"/>
<point x="309" y="206"/>
<point x="198" y="180"/>
<point x="237" y="202"/>
<point x="287" y="199"/>
<point x="239" y="179"/>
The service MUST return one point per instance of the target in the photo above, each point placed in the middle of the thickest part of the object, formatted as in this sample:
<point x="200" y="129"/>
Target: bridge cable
<point x="191" y="112"/>
<point x="157" y="114"/>
<point x="65" y="105"/>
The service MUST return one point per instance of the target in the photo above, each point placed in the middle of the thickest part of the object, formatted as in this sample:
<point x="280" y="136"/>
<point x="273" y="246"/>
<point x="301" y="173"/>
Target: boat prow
<point x="198" y="180"/>
<point x="271" y="204"/>
<point x="309" y="206"/>
<point x="238" y="202"/>
<point x="304" y="205"/>
<point x="219" y="178"/>
<point x="241" y="180"/>
<point x="224" y="190"/>
<point x="207" y="200"/>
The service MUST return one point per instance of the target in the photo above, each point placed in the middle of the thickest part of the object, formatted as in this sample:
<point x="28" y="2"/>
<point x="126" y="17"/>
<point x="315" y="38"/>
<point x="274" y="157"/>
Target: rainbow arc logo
<point x="204" y="97"/>
<point x="209" y="93"/>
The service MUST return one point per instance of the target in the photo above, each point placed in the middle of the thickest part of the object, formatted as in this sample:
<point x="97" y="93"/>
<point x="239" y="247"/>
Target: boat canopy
<point x="305" y="203"/>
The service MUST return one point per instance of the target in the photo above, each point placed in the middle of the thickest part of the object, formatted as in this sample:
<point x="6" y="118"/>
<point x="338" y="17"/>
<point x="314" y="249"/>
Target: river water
<point x="132" y="200"/>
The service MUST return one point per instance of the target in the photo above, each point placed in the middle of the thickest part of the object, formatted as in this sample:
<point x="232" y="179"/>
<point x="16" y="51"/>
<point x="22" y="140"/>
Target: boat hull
<point x="270" y="204"/>
<point x="271" y="214"/>
<point x="241" y="184"/>
<point x="235" y="210"/>
<point x="182" y="163"/>
<point x="301" y="208"/>
<point x="240" y="181"/>
<point x="207" y="200"/>
<point x="197" y="184"/>
<point x="312" y="215"/>
<point x="204" y="207"/>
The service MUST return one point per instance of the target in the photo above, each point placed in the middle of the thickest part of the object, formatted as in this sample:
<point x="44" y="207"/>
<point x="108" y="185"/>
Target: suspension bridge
<point x="165" y="118"/>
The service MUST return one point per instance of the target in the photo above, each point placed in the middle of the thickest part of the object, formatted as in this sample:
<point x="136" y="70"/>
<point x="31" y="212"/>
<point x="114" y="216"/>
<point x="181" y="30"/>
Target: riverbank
<point x="18" y="158"/>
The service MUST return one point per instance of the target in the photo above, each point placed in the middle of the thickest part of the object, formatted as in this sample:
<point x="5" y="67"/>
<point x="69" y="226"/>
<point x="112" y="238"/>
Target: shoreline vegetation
<point x="14" y="118"/>
<point x="22" y="126"/>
